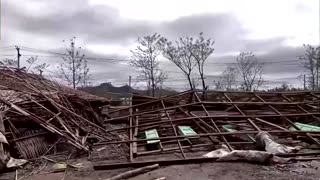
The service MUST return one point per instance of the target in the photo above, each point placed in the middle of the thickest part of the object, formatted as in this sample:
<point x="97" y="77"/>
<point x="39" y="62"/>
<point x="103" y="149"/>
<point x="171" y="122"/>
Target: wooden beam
<point x="289" y="121"/>
<point x="130" y="136"/>
<point x="214" y="124"/>
<point x="135" y="134"/>
<point x="206" y="135"/>
<point x="216" y="116"/>
<point x="174" y="130"/>
<point x="241" y="112"/>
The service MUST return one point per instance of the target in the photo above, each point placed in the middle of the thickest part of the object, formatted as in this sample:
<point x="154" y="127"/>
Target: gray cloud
<point x="61" y="19"/>
<point x="103" y="24"/>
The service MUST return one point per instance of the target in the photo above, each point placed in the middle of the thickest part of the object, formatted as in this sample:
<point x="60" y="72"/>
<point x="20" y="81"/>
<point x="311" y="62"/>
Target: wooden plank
<point x="174" y="130"/>
<point x="289" y="121"/>
<point x="217" y="116"/>
<point x="214" y="124"/>
<point x="135" y="134"/>
<point x="130" y="136"/>
<point x="210" y="103"/>
<point x="241" y="112"/>
<point x="206" y="135"/>
<point x="270" y="124"/>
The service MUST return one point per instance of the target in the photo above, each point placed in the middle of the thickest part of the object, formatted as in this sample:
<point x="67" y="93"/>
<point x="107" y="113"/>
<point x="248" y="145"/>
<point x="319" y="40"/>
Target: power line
<point x="127" y="60"/>
<point x="6" y="47"/>
<point x="44" y="51"/>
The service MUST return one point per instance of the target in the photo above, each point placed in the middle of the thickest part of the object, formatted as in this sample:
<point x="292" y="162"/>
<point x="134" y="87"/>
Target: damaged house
<point x="40" y="117"/>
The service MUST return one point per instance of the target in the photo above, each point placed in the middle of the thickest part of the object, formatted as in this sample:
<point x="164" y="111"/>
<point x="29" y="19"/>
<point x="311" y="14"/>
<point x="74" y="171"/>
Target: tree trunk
<point x="204" y="88"/>
<point x="190" y="82"/>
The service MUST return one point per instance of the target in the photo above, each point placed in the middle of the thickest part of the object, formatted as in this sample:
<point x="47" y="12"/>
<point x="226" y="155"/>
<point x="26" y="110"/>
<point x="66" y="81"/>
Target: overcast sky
<point x="273" y="29"/>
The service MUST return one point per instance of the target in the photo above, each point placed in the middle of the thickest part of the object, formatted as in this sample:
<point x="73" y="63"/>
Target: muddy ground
<point x="220" y="171"/>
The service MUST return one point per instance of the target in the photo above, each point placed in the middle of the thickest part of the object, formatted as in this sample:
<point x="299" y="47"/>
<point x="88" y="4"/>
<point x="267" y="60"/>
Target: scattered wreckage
<point x="39" y="118"/>
<point x="249" y="126"/>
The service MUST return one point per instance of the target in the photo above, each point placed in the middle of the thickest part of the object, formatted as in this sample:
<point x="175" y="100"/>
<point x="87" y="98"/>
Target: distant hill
<point x="109" y="91"/>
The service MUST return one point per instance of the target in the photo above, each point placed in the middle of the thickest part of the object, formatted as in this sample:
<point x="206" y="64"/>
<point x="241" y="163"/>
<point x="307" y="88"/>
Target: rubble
<point x="40" y="117"/>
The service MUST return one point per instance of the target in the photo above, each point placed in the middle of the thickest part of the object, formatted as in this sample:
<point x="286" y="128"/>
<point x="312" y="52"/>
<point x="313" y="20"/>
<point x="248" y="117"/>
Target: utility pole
<point x="73" y="65"/>
<point x="18" y="56"/>
<point x="160" y="90"/>
<point x="129" y="83"/>
<point x="304" y="82"/>
<point x="317" y="66"/>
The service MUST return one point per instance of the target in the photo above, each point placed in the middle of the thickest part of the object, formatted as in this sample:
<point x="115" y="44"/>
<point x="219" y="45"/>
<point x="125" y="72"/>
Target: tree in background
<point x="281" y="88"/>
<point x="37" y="67"/>
<point x="31" y="64"/>
<point x="145" y="58"/>
<point x="9" y="62"/>
<point x="201" y="49"/>
<point x="250" y="71"/>
<point x="84" y="82"/>
<point x="219" y="84"/>
<point x="227" y="80"/>
<point x="229" y="76"/>
<point x="311" y="62"/>
<point x="74" y="68"/>
<point x="180" y="55"/>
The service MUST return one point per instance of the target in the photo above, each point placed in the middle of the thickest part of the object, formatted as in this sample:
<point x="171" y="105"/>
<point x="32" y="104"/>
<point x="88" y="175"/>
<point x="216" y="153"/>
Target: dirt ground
<point x="219" y="171"/>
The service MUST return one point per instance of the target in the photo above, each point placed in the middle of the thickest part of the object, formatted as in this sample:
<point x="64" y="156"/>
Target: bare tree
<point x="31" y="64"/>
<point x="201" y="49"/>
<point x="145" y="58"/>
<point x="180" y="55"/>
<point x="250" y="70"/>
<point x="37" y="67"/>
<point x="220" y="84"/>
<point x="229" y="76"/>
<point x="9" y="62"/>
<point x="227" y="79"/>
<point x="74" y="68"/>
<point x="311" y="62"/>
<point x="85" y="75"/>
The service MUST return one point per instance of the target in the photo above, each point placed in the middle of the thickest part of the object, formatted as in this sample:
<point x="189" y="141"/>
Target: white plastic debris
<point x="5" y="160"/>
<point x="13" y="163"/>
<point x="266" y="142"/>
<point x="260" y="157"/>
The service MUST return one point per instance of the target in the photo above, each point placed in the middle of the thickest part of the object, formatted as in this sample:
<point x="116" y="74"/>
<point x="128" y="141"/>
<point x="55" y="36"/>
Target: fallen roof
<point x="215" y="118"/>
<point x="13" y="79"/>
<point x="36" y="114"/>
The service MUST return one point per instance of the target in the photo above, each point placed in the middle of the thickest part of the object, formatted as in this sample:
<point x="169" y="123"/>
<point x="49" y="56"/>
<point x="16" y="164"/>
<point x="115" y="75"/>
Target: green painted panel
<point x="186" y="130"/>
<point x="153" y="133"/>
<point x="305" y="127"/>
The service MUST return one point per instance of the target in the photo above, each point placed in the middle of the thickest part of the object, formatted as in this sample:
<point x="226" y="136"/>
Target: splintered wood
<point x="39" y="111"/>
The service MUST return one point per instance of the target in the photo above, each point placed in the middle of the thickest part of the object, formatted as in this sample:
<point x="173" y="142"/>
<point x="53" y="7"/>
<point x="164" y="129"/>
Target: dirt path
<point x="206" y="171"/>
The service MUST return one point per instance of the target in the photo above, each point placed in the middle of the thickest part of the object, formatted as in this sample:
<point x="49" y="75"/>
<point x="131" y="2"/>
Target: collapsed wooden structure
<point x="40" y="117"/>
<point x="212" y="118"/>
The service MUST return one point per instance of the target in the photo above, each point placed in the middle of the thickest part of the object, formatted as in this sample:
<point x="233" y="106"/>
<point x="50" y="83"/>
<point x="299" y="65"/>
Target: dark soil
<point x="220" y="171"/>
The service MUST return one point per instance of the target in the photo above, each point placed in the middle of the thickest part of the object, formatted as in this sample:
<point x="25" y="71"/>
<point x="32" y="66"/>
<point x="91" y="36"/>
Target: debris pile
<point x="39" y="117"/>
<point x="181" y="128"/>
